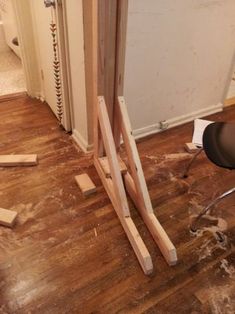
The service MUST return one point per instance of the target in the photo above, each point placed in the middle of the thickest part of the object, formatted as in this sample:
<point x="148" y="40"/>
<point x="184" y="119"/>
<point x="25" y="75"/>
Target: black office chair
<point x="219" y="147"/>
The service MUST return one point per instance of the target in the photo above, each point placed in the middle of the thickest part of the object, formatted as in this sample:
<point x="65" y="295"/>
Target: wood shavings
<point x="229" y="269"/>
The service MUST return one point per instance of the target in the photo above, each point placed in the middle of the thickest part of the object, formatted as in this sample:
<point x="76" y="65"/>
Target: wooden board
<point x="190" y="147"/>
<point x="229" y="102"/>
<point x="105" y="166"/>
<point x="131" y="231"/>
<point x="158" y="233"/>
<point x="7" y="217"/>
<point x="110" y="149"/>
<point x="85" y="184"/>
<point x="18" y="160"/>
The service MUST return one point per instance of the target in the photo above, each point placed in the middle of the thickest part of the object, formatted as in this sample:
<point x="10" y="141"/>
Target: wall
<point x="178" y="60"/>
<point x="74" y="11"/>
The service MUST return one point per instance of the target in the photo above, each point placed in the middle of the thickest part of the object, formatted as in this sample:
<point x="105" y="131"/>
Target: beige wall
<point x="178" y="60"/>
<point x="74" y="9"/>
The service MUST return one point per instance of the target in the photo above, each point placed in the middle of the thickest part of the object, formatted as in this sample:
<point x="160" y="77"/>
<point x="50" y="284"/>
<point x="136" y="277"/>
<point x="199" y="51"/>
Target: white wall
<point x="178" y="59"/>
<point x="74" y="11"/>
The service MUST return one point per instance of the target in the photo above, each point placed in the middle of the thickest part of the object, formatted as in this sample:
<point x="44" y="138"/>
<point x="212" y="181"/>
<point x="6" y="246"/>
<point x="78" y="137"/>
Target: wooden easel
<point x="111" y="121"/>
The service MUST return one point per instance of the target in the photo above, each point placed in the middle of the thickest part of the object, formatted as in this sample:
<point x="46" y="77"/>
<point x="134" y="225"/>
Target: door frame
<point x="30" y="58"/>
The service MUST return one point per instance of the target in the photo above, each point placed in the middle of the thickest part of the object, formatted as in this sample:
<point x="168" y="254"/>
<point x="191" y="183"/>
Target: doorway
<point x="12" y="79"/>
<point x="42" y="42"/>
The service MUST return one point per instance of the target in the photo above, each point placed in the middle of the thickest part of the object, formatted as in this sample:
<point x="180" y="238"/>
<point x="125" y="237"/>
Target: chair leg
<point x="193" y="226"/>
<point x="185" y="174"/>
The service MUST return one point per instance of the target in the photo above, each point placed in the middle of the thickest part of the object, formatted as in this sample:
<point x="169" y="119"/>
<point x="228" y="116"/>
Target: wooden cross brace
<point x="120" y="182"/>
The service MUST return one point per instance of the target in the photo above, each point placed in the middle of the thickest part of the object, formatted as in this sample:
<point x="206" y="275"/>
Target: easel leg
<point x="115" y="189"/>
<point x="137" y="189"/>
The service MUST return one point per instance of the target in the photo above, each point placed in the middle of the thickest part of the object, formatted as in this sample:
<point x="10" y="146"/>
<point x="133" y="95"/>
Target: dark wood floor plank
<point x="69" y="254"/>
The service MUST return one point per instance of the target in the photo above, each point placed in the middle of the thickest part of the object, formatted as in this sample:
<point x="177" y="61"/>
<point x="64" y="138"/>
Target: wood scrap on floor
<point x="191" y="148"/>
<point x="85" y="184"/>
<point x="105" y="166"/>
<point x="18" y="160"/>
<point x="7" y="217"/>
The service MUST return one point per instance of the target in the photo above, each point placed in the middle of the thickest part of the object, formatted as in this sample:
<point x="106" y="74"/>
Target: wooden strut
<point x="111" y="121"/>
<point x="135" y="184"/>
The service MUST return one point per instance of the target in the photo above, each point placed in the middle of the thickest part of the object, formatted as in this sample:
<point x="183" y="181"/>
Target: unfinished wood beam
<point x="18" y="160"/>
<point x="137" y="188"/>
<point x="7" y="217"/>
<point x="85" y="184"/>
<point x="128" y="225"/>
<point x="191" y="148"/>
<point x="158" y="233"/>
<point x="94" y="47"/>
<point x="112" y="121"/>
<point x="110" y="149"/>
<point x="105" y="165"/>
<point x="133" y="156"/>
<point x="122" y="17"/>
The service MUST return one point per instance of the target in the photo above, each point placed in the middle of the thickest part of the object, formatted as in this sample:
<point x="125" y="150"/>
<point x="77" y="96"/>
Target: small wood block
<point x="7" y="217"/>
<point x="86" y="185"/>
<point x="18" y="160"/>
<point x="105" y="166"/>
<point x="203" y="295"/>
<point x="190" y="147"/>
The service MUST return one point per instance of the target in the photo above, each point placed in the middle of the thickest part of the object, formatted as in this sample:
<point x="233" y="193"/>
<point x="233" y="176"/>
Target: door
<point x="43" y="18"/>
<point x="48" y="24"/>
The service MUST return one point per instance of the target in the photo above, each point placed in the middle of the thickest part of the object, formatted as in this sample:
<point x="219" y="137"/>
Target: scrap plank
<point x="85" y="184"/>
<point x="190" y="147"/>
<point x="105" y="166"/>
<point x="7" y="217"/>
<point x="131" y="231"/>
<point x="18" y="160"/>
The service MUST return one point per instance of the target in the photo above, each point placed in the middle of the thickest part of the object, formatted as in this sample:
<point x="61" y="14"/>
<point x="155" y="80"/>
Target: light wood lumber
<point x="85" y="184"/>
<point x="191" y="148"/>
<point x="18" y="160"/>
<point x="105" y="165"/>
<point x="107" y="29"/>
<point x="110" y="149"/>
<point x="7" y="217"/>
<point x="122" y="17"/>
<point x="111" y="121"/>
<point x="229" y="102"/>
<point x="158" y="233"/>
<point x="129" y="227"/>
<point x="94" y="34"/>
<point x="133" y="156"/>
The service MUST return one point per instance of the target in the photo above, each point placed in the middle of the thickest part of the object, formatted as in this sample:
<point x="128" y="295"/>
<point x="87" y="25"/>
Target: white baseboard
<point x="155" y="128"/>
<point x="81" y="142"/>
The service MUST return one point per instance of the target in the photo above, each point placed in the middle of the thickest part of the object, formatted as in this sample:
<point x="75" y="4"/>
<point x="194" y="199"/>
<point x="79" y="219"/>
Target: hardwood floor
<point x="69" y="254"/>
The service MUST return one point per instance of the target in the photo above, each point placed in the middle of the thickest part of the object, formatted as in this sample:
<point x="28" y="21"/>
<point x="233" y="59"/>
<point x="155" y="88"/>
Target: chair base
<point x="193" y="226"/>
